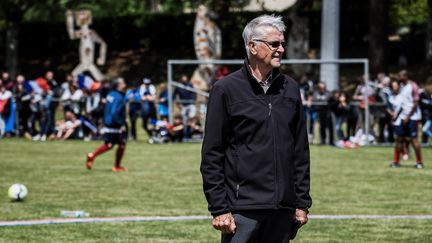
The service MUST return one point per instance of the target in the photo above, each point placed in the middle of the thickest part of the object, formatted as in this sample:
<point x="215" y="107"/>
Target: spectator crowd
<point x="341" y="115"/>
<point x="45" y="109"/>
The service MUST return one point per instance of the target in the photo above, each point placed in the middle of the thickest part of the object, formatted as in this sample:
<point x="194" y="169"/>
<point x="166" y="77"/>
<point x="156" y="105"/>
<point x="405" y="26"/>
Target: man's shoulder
<point x="230" y="81"/>
<point x="290" y="81"/>
<point x="115" y="94"/>
<point x="412" y="82"/>
<point x="292" y="86"/>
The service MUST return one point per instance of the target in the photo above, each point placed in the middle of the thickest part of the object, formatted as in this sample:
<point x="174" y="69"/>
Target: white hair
<point x="254" y="29"/>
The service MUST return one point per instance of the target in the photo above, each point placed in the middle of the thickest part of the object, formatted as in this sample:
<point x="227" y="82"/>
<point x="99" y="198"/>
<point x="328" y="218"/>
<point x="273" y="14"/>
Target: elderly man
<point x="255" y="154"/>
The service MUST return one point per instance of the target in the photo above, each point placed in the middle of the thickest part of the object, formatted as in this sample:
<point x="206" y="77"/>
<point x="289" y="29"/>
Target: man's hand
<point x="301" y="216"/>
<point x="224" y="223"/>
<point x="406" y="120"/>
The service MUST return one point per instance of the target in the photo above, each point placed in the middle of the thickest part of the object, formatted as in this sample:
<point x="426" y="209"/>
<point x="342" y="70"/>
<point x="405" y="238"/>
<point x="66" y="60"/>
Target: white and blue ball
<point x="17" y="192"/>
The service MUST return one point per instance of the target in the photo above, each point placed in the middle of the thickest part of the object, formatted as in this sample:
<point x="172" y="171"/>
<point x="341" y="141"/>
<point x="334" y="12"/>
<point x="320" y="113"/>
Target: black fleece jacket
<point x="255" y="153"/>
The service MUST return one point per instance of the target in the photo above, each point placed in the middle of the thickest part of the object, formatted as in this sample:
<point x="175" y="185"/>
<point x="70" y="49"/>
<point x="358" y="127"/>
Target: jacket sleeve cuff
<point x="304" y="209"/>
<point x="215" y="214"/>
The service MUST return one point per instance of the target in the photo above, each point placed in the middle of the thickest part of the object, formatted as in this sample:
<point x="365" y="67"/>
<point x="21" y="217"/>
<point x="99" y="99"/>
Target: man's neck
<point x="259" y="70"/>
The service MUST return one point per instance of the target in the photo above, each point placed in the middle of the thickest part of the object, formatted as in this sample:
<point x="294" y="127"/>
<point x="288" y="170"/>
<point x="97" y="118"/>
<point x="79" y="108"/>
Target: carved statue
<point x="208" y="46"/>
<point x="88" y="38"/>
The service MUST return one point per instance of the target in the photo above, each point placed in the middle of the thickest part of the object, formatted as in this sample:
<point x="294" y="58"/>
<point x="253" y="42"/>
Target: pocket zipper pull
<point x="237" y="191"/>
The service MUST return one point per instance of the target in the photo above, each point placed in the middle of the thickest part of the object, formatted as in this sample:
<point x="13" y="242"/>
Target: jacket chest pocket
<point x="249" y="111"/>
<point x="286" y="108"/>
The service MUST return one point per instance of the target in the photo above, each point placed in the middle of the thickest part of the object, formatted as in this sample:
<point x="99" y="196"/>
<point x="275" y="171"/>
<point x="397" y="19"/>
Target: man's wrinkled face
<point x="268" y="48"/>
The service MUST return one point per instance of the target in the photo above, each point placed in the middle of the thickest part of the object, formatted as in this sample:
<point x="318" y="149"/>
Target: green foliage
<point x="49" y="10"/>
<point x="407" y="12"/>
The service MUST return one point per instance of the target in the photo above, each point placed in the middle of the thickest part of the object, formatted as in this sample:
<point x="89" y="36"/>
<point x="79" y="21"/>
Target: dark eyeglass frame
<point x="273" y="44"/>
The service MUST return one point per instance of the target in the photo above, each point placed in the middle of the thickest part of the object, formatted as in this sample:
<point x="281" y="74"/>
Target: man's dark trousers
<point x="259" y="226"/>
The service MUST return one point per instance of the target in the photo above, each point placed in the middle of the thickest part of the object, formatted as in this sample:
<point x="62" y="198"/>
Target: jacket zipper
<point x="274" y="152"/>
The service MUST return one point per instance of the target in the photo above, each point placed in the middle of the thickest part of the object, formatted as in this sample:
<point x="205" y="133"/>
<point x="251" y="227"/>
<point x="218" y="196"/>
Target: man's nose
<point x="280" y="49"/>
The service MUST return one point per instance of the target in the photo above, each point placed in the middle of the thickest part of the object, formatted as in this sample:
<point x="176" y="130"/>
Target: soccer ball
<point x="17" y="192"/>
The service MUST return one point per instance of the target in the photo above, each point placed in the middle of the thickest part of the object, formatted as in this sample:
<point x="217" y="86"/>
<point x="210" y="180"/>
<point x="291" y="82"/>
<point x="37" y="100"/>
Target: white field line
<point x="186" y="218"/>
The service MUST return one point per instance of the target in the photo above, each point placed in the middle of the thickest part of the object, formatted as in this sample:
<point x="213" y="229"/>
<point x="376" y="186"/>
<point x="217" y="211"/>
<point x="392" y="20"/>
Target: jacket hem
<point x="260" y="207"/>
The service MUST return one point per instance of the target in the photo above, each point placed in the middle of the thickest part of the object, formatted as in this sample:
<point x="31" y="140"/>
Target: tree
<point x="12" y="12"/>
<point x="405" y="13"/>
<point x="429" y="33"/>
<point x="298" y="34"/>
<point x="378" y="22"/>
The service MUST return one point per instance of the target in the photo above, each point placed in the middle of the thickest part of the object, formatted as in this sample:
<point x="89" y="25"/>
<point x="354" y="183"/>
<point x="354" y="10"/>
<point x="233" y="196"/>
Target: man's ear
<point x="252" y="48"/>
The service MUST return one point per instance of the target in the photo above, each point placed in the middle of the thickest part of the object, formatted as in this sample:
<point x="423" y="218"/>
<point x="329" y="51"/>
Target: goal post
<point x="172" y="83"/>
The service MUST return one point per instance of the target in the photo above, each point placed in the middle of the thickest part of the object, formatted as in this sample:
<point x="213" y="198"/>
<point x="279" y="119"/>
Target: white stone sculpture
<point x="88" y="38"/>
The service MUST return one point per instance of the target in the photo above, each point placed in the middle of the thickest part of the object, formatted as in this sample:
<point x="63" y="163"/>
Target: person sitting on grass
<point x="161" y="134"/>
<point x="115" y="128"/>
<point x="176" y="130"/>
<point x="194" y="129"/>
<point x="67" y="127"/>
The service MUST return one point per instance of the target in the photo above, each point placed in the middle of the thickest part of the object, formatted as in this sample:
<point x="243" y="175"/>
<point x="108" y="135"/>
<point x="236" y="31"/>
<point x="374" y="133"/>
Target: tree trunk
<point x="298" y="35"/>
<point x="11" y="55"/>
<point x="221" y="7"/>
<point x="429" y="34"/>
<point x="298" y="42"/>
<point x="378" y="22"/>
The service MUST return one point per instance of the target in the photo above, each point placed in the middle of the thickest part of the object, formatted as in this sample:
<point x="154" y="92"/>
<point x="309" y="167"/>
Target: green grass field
<point x="165" y="180"/>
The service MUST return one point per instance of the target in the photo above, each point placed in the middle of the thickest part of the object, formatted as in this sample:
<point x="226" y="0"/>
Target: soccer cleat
<point x="90" y="159"/>
<point x="119" y="169"/>
<point x="419" y="166"/>
<point x="395" y="165"/>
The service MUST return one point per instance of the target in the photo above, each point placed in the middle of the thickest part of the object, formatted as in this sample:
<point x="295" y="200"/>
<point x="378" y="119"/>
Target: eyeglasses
<point x="273" y="44"/>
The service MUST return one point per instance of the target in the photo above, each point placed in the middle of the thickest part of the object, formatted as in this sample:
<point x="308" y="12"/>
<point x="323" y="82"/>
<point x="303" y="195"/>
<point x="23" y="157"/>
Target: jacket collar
<point x="256" y="86"/>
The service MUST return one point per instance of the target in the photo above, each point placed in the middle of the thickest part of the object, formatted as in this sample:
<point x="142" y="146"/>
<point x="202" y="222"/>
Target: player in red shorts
<point x="115" y="129"/>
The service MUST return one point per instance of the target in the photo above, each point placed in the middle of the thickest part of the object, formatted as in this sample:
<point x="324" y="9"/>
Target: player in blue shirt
<point x="115" y="127"/>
